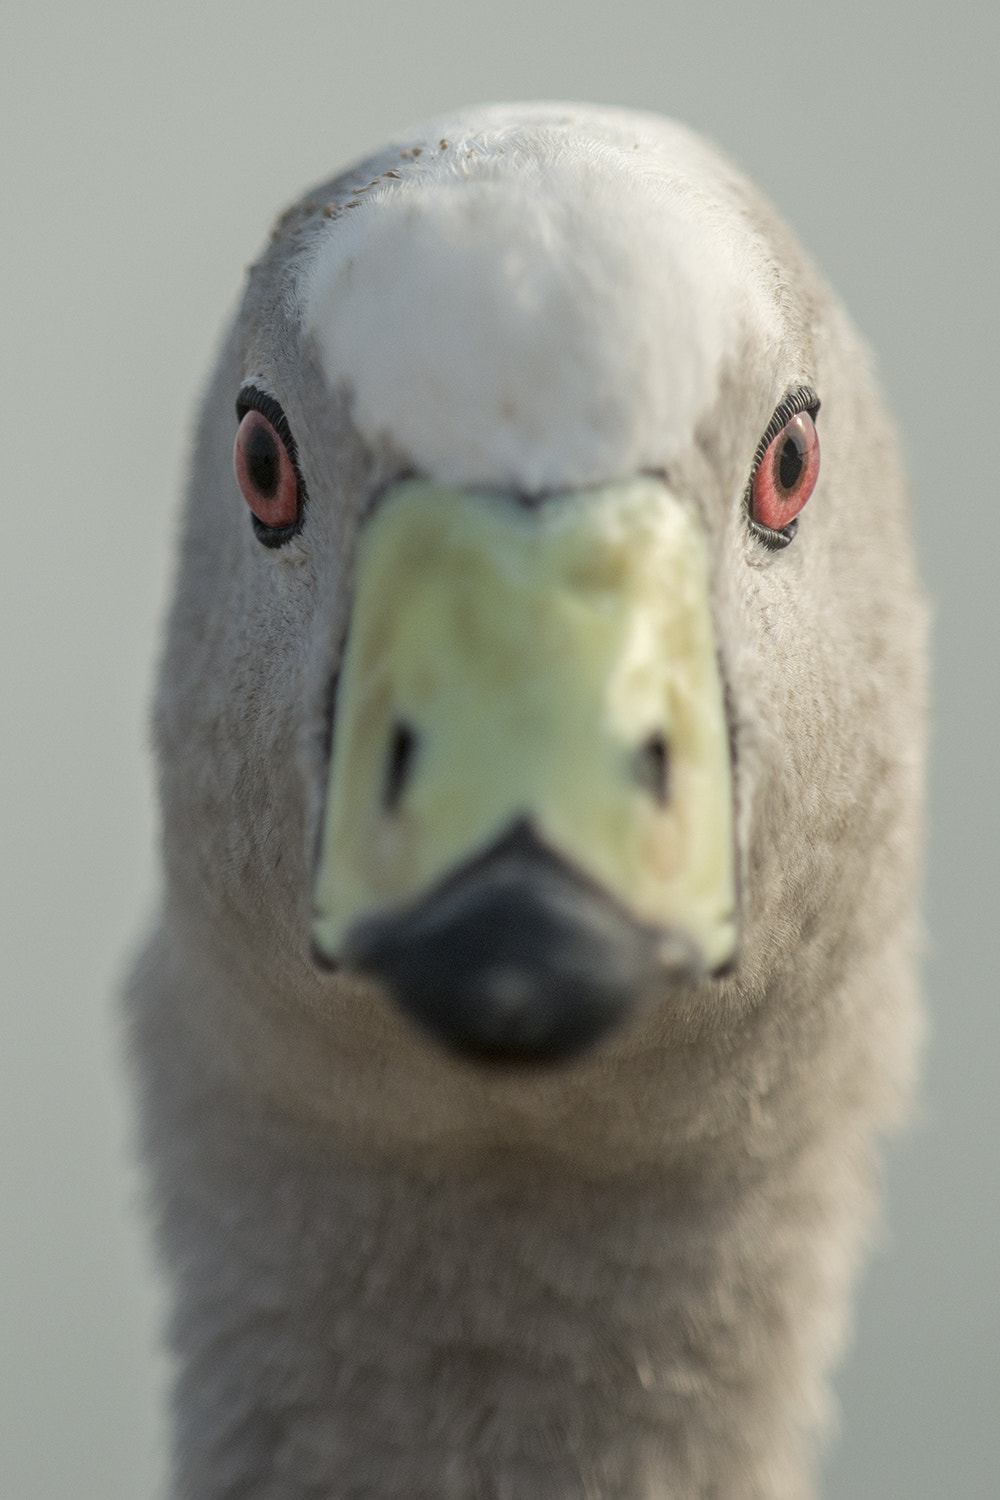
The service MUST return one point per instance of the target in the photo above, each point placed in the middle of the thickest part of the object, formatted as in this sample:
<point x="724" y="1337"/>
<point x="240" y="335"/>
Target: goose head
<point x="528" y="671"/>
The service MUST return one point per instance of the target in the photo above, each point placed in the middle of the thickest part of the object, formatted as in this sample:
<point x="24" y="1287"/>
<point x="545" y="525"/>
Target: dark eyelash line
<point x="801" y="398"/>
<point x="251" y="398"/>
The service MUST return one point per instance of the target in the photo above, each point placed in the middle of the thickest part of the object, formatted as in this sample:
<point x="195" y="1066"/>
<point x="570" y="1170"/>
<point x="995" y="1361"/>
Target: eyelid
<point x="252" y="398"/>
<point x="799" y="398"/>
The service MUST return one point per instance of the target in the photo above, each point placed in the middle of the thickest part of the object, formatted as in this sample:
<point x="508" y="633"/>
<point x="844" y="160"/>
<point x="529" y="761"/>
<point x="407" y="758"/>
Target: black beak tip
<point x="511" y="1016"/>
<point x="515" y="959"/>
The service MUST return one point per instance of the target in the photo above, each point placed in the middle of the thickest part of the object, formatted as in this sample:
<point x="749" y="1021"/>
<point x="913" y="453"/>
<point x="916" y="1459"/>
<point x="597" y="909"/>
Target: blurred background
<point x="145" y="149"/>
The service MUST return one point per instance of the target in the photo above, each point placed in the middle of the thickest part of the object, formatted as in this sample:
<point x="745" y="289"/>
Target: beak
<point x="529" y="812"/>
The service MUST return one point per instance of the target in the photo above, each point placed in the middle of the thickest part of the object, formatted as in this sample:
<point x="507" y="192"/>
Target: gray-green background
<point x="143" y="150"/>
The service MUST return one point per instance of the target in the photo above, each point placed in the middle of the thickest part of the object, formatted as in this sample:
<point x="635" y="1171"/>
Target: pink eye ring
<point x="265" y="473"/>
<point x="787" y="473"/>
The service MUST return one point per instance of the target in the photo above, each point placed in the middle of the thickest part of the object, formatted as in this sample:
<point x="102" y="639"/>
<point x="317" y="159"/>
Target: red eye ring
<point x="787" y="473"/>
<point x="265" y="472"/>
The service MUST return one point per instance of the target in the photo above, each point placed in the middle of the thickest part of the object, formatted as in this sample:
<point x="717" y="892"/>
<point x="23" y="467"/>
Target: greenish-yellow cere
<point x="531" y="652"/>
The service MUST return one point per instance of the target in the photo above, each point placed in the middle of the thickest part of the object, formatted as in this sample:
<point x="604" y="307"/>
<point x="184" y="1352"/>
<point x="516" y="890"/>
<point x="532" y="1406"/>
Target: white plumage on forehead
<point x="513" y="314"/>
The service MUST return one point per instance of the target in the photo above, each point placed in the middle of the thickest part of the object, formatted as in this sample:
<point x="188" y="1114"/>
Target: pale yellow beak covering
<point x="554" y="662"/>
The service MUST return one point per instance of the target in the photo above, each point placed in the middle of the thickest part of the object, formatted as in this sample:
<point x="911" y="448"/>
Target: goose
<point x="540" y="736"/>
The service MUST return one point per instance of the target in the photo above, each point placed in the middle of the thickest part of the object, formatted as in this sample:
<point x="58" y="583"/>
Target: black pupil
<point x="263" y="460"/>
<point x="791" y="459"/>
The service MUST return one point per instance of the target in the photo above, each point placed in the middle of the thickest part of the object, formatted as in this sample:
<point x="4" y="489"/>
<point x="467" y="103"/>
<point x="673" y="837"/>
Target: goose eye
<point x="265" y="473"/>
<point x="786" y="474"/>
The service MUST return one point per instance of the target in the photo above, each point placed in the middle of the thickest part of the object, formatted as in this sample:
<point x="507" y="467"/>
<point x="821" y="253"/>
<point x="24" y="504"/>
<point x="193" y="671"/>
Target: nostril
<point x="652" y="768"/>
<point x="399" y="763"/>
